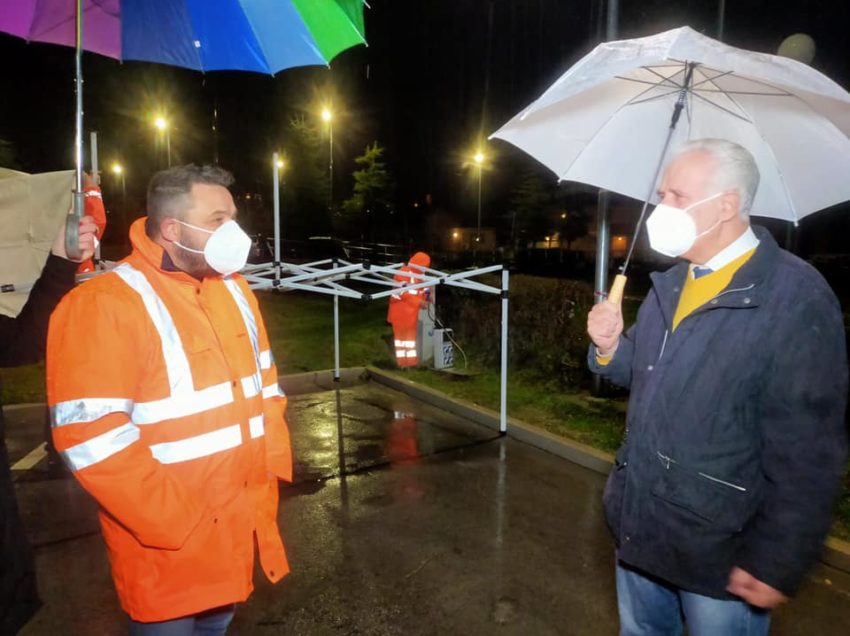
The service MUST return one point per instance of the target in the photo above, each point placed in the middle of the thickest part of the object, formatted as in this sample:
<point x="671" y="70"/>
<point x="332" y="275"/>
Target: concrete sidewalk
<point x="404" y="519"/>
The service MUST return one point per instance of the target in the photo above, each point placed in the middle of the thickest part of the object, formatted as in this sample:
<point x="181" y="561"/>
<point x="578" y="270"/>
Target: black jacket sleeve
<point x="804" y="442"/>
<point x="23" y="339"/>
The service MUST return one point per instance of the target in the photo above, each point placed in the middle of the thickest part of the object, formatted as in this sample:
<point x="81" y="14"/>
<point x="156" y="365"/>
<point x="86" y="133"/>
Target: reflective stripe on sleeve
<point x="99" y="448"/>
<point x="87" y="410"/>
<point x="266" y="359"/>
<point x="273" y="390"/>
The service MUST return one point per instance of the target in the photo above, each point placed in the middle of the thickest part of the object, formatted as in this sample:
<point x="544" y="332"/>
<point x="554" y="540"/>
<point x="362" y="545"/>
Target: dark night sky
<point x="437" y="76"/>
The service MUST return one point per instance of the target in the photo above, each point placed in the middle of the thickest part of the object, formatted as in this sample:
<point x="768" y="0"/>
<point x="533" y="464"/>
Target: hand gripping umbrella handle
<point x="72" y="228"/>
<point x="616" y="293"/>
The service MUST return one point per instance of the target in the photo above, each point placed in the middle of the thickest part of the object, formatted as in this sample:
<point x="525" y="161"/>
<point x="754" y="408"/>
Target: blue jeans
<point x="213" y="622"/>
<point x="650" y="607"/>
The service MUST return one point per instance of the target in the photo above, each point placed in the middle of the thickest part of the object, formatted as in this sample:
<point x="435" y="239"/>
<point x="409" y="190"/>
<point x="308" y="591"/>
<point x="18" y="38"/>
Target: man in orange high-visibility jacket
<point x="404" y="310"/>
<point x="166" y="406"/>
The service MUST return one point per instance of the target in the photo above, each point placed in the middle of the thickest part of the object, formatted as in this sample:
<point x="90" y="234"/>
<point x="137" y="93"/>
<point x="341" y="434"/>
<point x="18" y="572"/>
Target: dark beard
<point x="193" y="264"/>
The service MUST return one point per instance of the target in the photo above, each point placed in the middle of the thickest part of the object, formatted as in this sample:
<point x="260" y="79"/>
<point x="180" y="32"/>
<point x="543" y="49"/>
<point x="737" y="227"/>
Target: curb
<point x="836" y="552"/>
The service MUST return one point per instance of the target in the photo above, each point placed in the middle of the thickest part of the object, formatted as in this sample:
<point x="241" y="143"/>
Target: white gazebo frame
<point x="329" y="275"/>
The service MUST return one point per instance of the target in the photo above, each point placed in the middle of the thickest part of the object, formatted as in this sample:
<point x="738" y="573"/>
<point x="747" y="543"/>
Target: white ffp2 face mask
<point x="226" y="250"/>
<point x="672" y="230"/>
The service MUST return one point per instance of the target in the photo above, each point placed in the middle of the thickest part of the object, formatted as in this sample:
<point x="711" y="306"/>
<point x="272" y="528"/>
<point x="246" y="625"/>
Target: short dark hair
<point x="169" y="189"/>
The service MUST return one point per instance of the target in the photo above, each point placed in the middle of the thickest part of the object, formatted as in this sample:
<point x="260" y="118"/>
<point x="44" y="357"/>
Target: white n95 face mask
<point x="226" y="250"/>
<point x="672" y="230"/>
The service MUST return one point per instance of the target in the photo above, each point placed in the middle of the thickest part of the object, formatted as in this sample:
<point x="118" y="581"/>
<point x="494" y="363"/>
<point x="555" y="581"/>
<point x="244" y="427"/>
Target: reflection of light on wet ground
<point x="475" y="535"/>
<point x="358" y="428"/>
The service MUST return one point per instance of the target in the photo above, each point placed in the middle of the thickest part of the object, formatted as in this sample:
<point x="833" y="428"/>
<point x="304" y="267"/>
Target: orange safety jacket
<point x="165" y="404"/>
<point x="403" y="314"/>
<point x="403" y="310"/>
<point x="94" y="208"/>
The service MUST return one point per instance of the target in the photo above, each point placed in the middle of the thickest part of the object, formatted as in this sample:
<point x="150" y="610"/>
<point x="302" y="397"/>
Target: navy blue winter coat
<point x="735" y="436"/>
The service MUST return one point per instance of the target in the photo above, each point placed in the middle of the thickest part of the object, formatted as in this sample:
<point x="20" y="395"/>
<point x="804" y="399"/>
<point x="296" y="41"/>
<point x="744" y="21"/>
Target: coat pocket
<point x="717" y="501"/>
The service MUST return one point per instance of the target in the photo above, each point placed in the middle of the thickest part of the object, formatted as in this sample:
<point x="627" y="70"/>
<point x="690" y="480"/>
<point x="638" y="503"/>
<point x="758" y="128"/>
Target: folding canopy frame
<point x="330" y="276"/>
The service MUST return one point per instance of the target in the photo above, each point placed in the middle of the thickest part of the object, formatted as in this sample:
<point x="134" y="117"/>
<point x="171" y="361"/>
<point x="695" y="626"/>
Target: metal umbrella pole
<point x="616" y="293"/>
<point x="95" y="171"/>
<point x="72" y="224"/>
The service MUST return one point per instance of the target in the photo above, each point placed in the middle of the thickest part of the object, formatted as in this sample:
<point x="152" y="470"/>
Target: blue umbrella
<point x="264" y="36"/>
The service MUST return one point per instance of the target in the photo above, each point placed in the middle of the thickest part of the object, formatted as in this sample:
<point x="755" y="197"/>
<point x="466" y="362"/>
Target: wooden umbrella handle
<point x="616" y="293"/>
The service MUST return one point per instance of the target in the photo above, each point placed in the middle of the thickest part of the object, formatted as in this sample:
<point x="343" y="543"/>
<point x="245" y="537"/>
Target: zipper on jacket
<point x="725" y="483"/>
<point x="667" y="461"/>
<point x="663" y="345"/>
<point x="732" y="291"/>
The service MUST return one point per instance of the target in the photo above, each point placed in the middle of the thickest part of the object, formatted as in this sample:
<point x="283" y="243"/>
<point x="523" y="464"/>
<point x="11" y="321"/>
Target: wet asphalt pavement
<point x="403" y="519"/>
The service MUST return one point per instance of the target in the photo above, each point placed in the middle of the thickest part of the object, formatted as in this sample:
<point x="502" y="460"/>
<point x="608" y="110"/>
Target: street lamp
<point x="327" y="117"/>
<point x="161" y="124"/>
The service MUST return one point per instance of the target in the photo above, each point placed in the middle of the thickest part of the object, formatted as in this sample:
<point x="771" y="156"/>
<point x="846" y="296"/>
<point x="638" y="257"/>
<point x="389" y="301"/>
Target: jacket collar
<point x="749" y="278"/>
<point x="152" y="255"/>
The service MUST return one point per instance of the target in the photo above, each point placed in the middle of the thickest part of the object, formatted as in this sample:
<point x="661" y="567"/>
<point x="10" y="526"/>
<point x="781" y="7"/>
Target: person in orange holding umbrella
<point x="94" y="208"/>
<point x="404" y="310"/>
<point x="96" y="212"/>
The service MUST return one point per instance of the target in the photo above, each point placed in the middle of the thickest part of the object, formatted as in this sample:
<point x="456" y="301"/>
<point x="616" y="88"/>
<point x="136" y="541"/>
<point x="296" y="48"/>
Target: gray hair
<point x="169" y="190"/>
<point x="734" y="169"/>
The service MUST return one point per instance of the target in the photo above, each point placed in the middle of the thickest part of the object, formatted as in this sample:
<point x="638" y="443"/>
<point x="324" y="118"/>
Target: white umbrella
<point x="607" y="120"/>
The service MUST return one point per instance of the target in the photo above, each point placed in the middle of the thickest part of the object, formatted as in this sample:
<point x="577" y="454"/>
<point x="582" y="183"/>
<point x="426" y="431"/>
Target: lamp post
<point x="327" y="117"/>
<point x="479" y="161"/>
<point x="161" y="124"/>
<point x="278" y="172"/>
<point x="118" y="171"/>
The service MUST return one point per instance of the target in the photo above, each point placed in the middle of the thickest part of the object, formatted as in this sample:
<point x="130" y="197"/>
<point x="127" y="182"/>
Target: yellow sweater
<point x="698" y="291"/>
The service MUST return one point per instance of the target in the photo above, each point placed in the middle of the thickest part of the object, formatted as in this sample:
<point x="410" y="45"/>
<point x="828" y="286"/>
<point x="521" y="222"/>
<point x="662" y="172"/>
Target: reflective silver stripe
<point x="252" y="385"/>
<point x="183" y="405"/>
<point x="408" y="343"/>
<point x="272" y="390"/>
<point x="411" y="354"/>
<point x="184" y="399"/>
<point x="176" y="362"/>
<point x="399" y="343"/>
<point x="266" y="359"/>
<point x="87" y="410"/>
<point x="257" y="426"/>
<point x="247" y="316"/>
<point x="400" y="353"/>
<point x="101" y="447"/>
<point x="198" y="446"/>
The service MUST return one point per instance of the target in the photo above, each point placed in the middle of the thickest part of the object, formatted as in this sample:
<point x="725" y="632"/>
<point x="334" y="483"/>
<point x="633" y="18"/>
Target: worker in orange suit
<point x="165" y="404"/>
<point x="404" y="308"/>
<point x="93" y="208"/>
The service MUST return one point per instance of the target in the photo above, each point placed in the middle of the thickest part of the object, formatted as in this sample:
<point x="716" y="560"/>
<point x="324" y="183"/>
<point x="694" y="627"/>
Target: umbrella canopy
<point x="606" y="120"/>
<point x="265" y="36"/>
